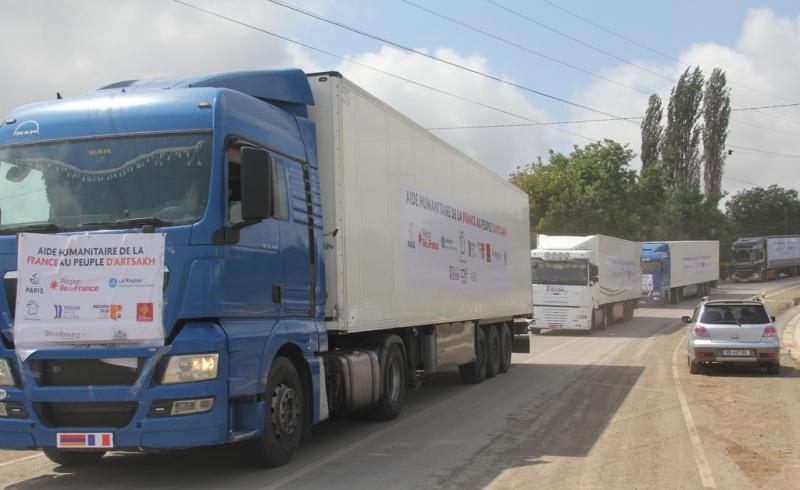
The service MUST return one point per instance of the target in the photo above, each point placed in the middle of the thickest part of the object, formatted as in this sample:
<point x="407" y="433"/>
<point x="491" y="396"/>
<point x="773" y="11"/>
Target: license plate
<point x="87" y="440"/>
<point x="736" y="353"/>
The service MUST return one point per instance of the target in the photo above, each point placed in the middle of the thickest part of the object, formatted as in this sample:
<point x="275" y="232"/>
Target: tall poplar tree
<point x="681" y="149"/>
<point x="716" y="114"/>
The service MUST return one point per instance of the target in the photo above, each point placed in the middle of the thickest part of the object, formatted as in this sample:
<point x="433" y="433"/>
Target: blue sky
<point x="73" y="46"/>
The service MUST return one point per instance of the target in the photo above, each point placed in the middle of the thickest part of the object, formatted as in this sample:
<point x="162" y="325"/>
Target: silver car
<point x="732" y="332"/>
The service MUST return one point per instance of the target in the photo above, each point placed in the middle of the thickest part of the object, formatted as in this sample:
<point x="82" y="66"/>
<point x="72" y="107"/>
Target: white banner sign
<point x="647" y="282"/>
<point x="89" y="289"/>
<point x="787" y="248"/>
<point x="448" y="247"/>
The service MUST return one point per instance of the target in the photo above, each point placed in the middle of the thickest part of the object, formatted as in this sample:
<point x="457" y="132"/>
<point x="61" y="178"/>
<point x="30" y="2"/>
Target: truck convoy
<point x="583" y="283"/>
<point x="765" y="258"/>
<point x="673" y="270"/>
<point x="237" y="256"/>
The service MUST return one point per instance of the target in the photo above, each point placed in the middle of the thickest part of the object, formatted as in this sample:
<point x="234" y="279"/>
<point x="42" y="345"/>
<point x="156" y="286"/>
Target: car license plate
<point x="736" y="353"/>
<point x="86" y="440"/>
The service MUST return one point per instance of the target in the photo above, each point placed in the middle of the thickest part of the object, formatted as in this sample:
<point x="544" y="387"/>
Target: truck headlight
<point x="6" y="375"/>
<point x="191" y="368"/>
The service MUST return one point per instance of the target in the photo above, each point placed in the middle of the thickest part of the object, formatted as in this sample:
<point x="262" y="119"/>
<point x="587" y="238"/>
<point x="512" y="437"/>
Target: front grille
<point x="80" y="415"/>
<point x="83" y="372"/>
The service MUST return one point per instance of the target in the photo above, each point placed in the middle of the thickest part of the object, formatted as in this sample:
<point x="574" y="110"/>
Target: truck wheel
<point x="668" y="297"/>
<point x="505" y="348"/>
<point x="393" y="384"/>
<point x="494" y="350"/>
<point x="763" y="276"/>
<point x="774" y="369"/>
<point x="603" y="324"/>
<point x="73" y="458"/>
<point x="283" y="422"/>
<point x="475" y="371"/>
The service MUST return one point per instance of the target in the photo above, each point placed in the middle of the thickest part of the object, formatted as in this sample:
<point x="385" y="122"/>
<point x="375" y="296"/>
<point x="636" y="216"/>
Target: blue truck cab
<point x="655" y="273"/>
<point x="255" y="346"/>
<point x="228" y="172"/>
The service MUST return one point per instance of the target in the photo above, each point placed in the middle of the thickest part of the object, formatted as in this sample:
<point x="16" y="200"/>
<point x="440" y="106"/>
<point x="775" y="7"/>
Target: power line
<point x="766" y="152"/>
<point x="793" y="104"/>
<point x="441" y="60"/>
<point x="576" y="40"/>
<point x="652" y="50"/>
<point x="348" y="60"/>
<point x="378" y="70"/>
<point x="483" y="126"/>
<point x="523" y="48"/>
<point x="608" y="53"/>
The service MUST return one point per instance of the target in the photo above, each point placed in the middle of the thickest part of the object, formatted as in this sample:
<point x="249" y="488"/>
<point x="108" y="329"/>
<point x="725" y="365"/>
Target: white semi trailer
<point x="584" y="282"/>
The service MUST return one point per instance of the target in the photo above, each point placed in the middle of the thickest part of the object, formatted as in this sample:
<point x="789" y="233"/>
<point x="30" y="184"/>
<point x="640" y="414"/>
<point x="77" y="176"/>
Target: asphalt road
<point x="616" y="409"/>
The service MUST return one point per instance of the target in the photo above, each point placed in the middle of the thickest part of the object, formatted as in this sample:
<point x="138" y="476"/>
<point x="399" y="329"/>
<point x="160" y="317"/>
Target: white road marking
<point x="19" y="460"/>
<point x="338" y="454"/>
<point x="694" y="436"/>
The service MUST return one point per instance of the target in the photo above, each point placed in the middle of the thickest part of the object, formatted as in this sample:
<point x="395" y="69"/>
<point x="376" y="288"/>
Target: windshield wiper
<point x="32" y="227"/>
<point x="141" y="221"/>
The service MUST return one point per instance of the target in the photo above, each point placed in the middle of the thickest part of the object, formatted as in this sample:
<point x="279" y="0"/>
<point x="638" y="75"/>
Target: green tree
<point x="716" y="114"/>
<point x="758" y="211"/>
<point x="591" y="190"/>
<point x="680" y="150"/>
<point x="652" y="132"/>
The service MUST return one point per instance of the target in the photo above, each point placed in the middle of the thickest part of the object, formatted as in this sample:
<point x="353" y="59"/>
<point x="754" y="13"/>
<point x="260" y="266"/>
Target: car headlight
<point x="6" y="375"/>
<point x="191" y="368"/>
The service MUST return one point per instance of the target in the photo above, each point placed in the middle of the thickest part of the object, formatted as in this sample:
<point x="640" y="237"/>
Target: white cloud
<point x="500" y="149"/>
<point x="765" y="58"/>
<point x="76" y="46"/>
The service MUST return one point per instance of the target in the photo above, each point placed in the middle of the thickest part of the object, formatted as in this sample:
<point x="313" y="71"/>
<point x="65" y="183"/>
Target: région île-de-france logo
<point x="26" y="128"/>
<point x="424" y="239"/>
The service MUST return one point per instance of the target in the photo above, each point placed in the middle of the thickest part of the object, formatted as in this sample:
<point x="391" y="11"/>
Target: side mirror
<point x="772" y="318"/>
<point x="256" y="184"/>
<point x="594" y="271"/>
<point x="686" y="319"/>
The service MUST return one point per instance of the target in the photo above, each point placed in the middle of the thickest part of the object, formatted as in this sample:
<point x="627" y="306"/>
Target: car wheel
<point x="774" y="369"/>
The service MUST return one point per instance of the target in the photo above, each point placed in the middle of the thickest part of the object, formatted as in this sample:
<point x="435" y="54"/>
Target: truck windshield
<point x="651" y="267"/>
<point x="741" y="255"/>
<point x="68" y="184"/>
<point x="557" y="272"/>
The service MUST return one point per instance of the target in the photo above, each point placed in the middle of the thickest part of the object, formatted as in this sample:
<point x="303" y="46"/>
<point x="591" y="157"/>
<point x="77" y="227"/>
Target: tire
<point x="505" y="348"/>
<point x="393" y="385"/>
<point x="694" y="367"/>
<point x="763" y="276"/>
<point x="285" y="415"/>
<point x="604" y="322"/>
<point x="494" y="350"/>
<point x="475" y="371"/>
<point x="668" y="299"/>
<point x="73" y="458"/>
<point x="774" y="369"/>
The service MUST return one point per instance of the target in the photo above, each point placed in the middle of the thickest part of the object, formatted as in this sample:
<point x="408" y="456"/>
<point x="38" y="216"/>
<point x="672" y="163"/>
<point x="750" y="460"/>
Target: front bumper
<point x="561" y="318"/>
<point x="761" y="352"/>
<point x="46" y="413"/>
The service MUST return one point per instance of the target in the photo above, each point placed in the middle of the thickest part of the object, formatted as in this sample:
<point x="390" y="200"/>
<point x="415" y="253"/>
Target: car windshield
<point x="69" y="184"/>
<point x="651" y="267"/>
<point x="569" y="273"/>
<point x="741" y="255"/>
<point x="734" y="314"/>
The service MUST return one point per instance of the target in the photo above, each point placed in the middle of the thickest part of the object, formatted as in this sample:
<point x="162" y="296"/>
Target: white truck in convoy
<point x="584" y="282"/>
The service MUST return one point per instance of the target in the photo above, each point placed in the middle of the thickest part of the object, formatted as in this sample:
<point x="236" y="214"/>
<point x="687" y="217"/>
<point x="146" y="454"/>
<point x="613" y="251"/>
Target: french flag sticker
<point x="91" y="440"/>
